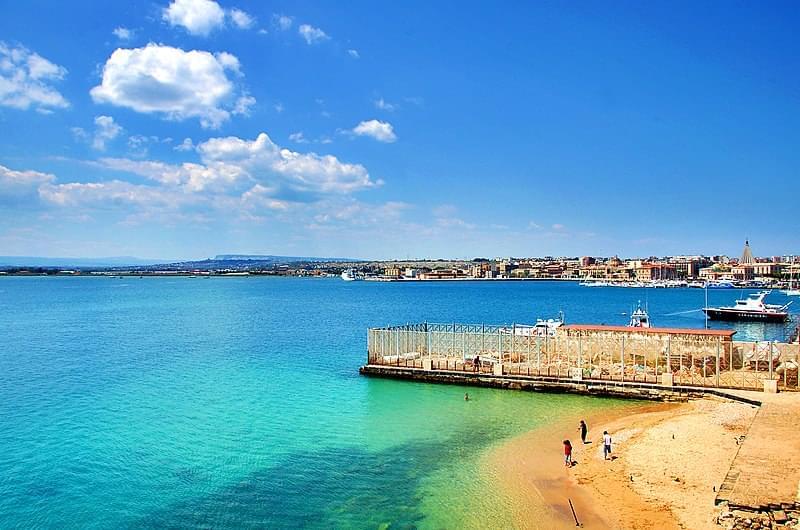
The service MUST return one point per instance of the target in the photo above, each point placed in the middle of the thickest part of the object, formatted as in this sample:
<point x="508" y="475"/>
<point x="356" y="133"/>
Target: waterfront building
<point x="655" y="271"/>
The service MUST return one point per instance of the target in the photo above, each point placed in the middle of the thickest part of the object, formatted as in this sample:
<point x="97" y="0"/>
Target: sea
<point x="236" y="402"/>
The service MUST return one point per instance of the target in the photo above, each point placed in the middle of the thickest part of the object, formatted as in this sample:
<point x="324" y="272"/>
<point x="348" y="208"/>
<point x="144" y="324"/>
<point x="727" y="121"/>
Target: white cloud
<point x="379" y="130"/>
<point x="293" y="174"/>
<point x="282" y="22"/>
<point x="199" y="17"/>
<point x="231" y="164"/>
<point x="24" y="77"/>
<point x="278" y="107"/>
<point x="99" y="193"/>
<point x="123" y="34"/>
<point x="105" y="131"/>
<point x="385" y="105"/>
<point x="298" y="138"/>
<point x="242" y="105"/>
<point x="169" y="81"/>
<point x="241" y="19"/>
<point x="354" y="54"/>
<point x="558" y="226"/>
<point x="311" y="34"/>
<point x="16" y="185"/>
<point x="186" y="145"/>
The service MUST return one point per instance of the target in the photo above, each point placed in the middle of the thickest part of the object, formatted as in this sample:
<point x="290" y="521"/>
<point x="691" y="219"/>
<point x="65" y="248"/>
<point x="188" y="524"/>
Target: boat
<point x="719" y="284"/>
<point x="350" y="275"/>
<point x="639" y="318"/>
<point x="792" y="290"/>
<point x="547" y="328"/>
<point x="751" y="308"/>
<point x="542" y="328"/>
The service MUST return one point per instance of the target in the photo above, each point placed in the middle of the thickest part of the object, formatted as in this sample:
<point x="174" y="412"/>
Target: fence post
<point x="622" y="359"/>
<point x="770" y="360"/>
<point x="719" y="342"/>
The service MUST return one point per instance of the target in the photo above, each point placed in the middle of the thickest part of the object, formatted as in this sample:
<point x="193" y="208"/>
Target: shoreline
<point x="669" y="459"/>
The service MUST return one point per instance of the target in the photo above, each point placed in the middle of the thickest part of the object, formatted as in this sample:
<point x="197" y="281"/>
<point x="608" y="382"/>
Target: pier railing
<point x="699" y="360"/>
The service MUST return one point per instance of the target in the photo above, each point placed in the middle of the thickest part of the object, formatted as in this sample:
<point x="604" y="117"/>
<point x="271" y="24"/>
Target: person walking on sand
<point x="567" y="453"/>
<point x="583" y="429"/>
<point x="606" y="445"/>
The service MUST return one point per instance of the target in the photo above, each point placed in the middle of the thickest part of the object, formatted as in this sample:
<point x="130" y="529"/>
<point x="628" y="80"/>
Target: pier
<point x="663" y="357"/>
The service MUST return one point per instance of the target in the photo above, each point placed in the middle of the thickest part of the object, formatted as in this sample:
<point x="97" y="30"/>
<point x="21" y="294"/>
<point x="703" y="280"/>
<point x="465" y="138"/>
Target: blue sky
<point x="389" y="130"/>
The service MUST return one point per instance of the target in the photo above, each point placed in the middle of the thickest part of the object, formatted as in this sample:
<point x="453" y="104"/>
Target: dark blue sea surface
<point x="236" y="402"/>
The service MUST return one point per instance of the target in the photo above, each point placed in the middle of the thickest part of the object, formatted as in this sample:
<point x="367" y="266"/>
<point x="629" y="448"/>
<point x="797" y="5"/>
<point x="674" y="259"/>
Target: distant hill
<point x="276" y="259"/>
<point x="66" y="263"/>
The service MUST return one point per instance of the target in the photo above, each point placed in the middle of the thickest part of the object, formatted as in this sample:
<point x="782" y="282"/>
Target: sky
<point x="189" y="128"/>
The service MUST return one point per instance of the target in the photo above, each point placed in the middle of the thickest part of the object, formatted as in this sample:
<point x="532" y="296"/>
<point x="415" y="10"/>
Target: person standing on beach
<point x="583" y="430"/>
<point x="567" y="453"/>
<point x="606" y="445"/>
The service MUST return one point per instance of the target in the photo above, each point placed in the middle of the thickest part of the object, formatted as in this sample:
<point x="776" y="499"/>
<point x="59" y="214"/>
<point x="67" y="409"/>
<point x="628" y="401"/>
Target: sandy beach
<point x="668" y="459"/>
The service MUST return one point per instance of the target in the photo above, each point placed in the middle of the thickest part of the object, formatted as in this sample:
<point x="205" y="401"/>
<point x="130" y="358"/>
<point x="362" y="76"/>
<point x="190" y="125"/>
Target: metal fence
<point x="709" y="361"/>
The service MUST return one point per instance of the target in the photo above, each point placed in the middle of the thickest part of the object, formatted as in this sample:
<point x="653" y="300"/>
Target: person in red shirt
<point x="567" y="453"/>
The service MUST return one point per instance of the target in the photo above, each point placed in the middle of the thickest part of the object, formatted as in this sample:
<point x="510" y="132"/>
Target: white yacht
<point x="350" y="275"/>
<point x="751" y="308"/>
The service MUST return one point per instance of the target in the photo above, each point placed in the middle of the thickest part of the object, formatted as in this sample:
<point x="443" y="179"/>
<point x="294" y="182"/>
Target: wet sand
<point x="668" y="458"/>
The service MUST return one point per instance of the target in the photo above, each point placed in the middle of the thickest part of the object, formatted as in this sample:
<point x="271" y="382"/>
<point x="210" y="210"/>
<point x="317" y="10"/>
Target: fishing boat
<point x="751" y="308"/>
<point x="639" y="318"/>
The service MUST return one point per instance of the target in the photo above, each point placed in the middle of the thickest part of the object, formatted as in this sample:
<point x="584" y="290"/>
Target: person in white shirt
<point x="606" y="444"/>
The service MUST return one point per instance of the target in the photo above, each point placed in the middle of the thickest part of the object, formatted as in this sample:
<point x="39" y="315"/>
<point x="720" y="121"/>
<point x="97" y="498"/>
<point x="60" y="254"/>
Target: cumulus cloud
<point x="186" y="145"/>
<point x="282" y="22"/>
<point x="172" y="82"/>
<point x="232" y="164"/>
<point x="379" y="130"/>
<point x="105" y="130"/>
<point x="354" y="54"/>
<point x="25" y="78"/>
<point x="198" y="17"/>
<point x="311" y="34"/>
<point x="293" y="174"/>
<point x="17" y="185"/>
<point x="241" y="19"/>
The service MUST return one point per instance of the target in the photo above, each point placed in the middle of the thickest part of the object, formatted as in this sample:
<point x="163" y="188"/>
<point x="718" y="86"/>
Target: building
<point x="655" y="271"/>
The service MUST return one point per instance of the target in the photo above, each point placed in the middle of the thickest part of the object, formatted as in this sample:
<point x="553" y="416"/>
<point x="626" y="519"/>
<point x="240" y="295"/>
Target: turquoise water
<point x="236" y="402"/>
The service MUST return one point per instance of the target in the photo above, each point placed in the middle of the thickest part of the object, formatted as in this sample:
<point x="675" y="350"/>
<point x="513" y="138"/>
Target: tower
<point x="747" y="255"/>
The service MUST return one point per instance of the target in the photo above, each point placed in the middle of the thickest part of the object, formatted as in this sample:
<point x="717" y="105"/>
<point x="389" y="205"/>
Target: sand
<point x="668" y="460"/>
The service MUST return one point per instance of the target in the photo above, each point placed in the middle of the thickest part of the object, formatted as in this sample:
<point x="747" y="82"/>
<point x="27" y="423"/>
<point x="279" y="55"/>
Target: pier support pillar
<point x="497" y="369"/>
<point x="427" y="364"/>
<point x="771" y="386"/>
<point x="667" y="379"/>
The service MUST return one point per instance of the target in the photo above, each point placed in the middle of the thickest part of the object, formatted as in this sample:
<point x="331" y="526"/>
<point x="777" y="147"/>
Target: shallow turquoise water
<point x="236" y="402"/>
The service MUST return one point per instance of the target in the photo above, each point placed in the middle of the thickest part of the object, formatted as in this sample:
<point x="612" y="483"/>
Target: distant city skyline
<point x="183" y="129"/>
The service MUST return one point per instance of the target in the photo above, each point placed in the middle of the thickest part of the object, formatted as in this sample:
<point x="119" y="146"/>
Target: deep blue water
<point x="236" y="402"/>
